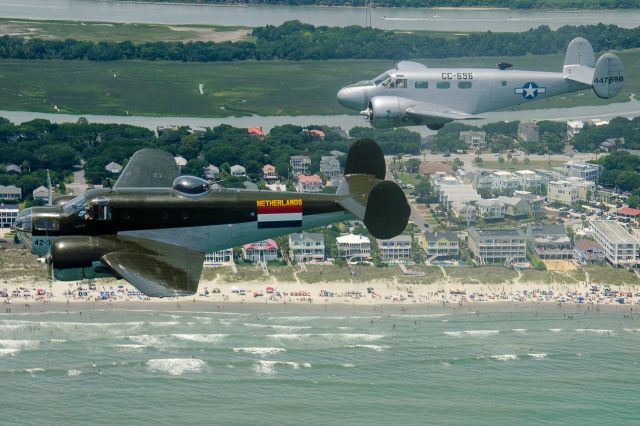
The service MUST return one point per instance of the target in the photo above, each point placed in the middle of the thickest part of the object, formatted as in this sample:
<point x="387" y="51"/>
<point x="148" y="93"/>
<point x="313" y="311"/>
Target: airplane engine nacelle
<point x="79" y="251"/>
<point x="389" y="111"/>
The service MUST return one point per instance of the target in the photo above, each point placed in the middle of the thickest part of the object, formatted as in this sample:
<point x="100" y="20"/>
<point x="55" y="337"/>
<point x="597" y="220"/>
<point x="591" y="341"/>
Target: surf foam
<point x="177" y="366"/>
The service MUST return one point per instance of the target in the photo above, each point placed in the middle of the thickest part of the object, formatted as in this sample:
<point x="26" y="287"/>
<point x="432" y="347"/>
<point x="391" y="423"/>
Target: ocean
<point x="295" y="364"/>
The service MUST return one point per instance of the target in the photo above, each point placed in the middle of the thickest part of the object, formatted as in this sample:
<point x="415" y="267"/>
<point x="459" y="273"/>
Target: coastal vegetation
<point x="296" y="41"/>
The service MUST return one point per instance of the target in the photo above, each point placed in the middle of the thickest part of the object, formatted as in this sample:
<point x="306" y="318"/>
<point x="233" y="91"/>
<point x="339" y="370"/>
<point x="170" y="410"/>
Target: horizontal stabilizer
<point x="365" y="157"/>
<point x="608" y="77"/>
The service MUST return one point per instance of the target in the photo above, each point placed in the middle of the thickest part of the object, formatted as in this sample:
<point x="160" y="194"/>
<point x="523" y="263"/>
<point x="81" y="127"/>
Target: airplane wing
<point x="425" y="110"/>
<point x="148" y="168"/>
<point x="157" y="269"/>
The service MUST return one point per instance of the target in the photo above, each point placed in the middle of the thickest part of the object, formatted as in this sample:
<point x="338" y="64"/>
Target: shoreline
<point x="34" y="295"/>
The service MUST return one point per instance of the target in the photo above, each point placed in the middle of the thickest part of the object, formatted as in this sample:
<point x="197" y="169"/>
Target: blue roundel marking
<point x="529" y="90"/>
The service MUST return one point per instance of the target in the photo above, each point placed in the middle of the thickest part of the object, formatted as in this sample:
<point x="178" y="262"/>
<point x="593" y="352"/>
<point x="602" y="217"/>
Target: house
<point x="255" y="131"/>
<point x="515" y="207"/>
<point x="535" y="202"/>
<point x="8" y="215"/>
<point x="628" y="213"/>
<point x="306" y="246"/>
<point x="463" y="213"/>
<point x="620" y="247"/>
<point x="611" y="144"/>
<point x="585" y="171"/>
<point x="474" y="139"/>
<point x="432" y="167"/>
<point x="180" y="161"/>
<point x="238" y="171"/>
<point x="573" y="128"/>
<point x="329" y="166"/>
<point x="311" y="183"/>
<point x="211" y="172"/>
<point x="528" y="131"/>
<point x="490" y="209"/>
<point x="12" y="168"/>
<point x="505" y="246"/>
<point x="40" y="193"/>
<point x="218" y="258"/>
<point x="299" y="164"/>
<point x="442" y="244"/>
<point x="277" y="187"/>
<point x="113" y="167"/>
<point x="529" y="180"/>
<point x="337" y="153"/>
<point x="395" y="249"/>
<point x="562" y="192"/>
<point x="315" y="132"/>
<point x="10" y="192"/>
<point x="354" y="247"/>
<point x="262" y="251"/>
<point x="589" y="252"/>
<point x="269" y="172"/>
<point x="549" y="241"/>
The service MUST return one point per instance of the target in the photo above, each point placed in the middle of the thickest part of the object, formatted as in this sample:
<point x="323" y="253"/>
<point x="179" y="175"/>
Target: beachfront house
<point x="218" y="258"/>
<point x="589" y="252"/>
<point x="514" y="207"/>
<point x="396" y="249"/>
<point x="355" y="248"/>
<point x="549" y="241"/>
<point x="620" y="247"/>
<point x="8" y="215"/>
<point x="490" y="209"/>
<point x="261" y="251"/>
<point x="306" y="247"/>
<point x="442" y="244"/>
<point x="506" y="246"/>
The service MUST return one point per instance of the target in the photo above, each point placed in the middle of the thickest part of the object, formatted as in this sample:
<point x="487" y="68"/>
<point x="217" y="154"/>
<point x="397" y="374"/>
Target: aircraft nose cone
<point x="352" y="97"/>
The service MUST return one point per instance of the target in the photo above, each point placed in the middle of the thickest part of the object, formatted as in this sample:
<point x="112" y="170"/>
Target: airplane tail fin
<point x="381" y="204"/>
<point x="606" y="76"/>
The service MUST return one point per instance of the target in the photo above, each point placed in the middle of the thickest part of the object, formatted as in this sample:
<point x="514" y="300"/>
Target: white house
<point x="238" y="171"/>
<point x="40" y="193"/>
<point x="354" y="247"/>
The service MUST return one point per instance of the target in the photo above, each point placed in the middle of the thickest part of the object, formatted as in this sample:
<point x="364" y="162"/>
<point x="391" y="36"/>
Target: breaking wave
<point x="505" y="357"/>
<point x="268" y="367"/>
<point x="177" y="366"/>
<point x="260" y="351"/>
<point x="74" y="373"/>
<point x="538" y="356"/>
<point x="329" y="336"/>
<point x="377" y="348"/>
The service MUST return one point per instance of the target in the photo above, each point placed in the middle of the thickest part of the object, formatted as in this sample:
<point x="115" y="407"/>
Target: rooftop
<point x="484" y="233"/>
<point x="614" y="231"/>
<point x="307" y="236"/>
<point x="352" y="239"/>
<point x="628" y="211"/>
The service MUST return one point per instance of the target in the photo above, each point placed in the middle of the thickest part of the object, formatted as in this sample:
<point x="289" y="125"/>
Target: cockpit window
<point x="77" y="204"/>
<point x="382" y="78"/>
<point x="362" y="83"/>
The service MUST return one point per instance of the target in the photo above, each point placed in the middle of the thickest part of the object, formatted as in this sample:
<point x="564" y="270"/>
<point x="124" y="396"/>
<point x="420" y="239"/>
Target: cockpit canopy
<point x="191" y="185"/>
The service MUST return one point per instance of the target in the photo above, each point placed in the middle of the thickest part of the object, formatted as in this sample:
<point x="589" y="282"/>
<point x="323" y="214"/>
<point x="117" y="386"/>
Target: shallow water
<point x="307" y="365"/>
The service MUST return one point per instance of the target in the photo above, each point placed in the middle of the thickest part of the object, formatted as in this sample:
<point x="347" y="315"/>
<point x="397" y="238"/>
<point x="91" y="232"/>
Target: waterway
<point x="604" y="112"/>
<point x="259" y="15"/>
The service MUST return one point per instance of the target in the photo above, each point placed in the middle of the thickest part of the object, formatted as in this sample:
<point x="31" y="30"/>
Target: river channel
<point x="259" y="15"/>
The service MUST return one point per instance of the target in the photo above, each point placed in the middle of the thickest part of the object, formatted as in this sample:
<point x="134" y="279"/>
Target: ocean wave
<point x="452" y="333"/>
<point x="277" y="327"/>
<point x="144" y="339"/>
<point x="632" y="330"/>
<point x="555" y="330"/>
<point x="132" y="347"/>
<point x="505" y="357"/>
<point x="267" y="367"/>
<point x="329" y="336"/>
<point x="177" y="366"/>
<point x="8" y="351"/>
<point x="312" y="318"/>
<point x="420" y="315"/>
<point x="594" y="331"/>
<point x="32" y="371"/>
<point x="19" y="344"/>
<point x="260" y="351"/>
<point x="58" y="340"/>
<point x="201" y="338"/>
<point x="481" y="333"/>
<point x="538" y="356"/>
<point x="74" y="373"/>
<point x="347" y="365"/>
<point x="377" y="348"/>
<point x="519" y="330"/>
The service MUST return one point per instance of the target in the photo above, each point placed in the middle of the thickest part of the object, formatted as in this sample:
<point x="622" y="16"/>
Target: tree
<point x="412" y="165"/>
<point x="501" y="160"/>
<point x="477" y="161"/>
<point x="457" y="164"/>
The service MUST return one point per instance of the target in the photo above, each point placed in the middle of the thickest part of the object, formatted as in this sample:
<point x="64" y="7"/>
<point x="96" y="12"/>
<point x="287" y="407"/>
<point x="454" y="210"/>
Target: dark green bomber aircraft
<point x="154" y="227"/>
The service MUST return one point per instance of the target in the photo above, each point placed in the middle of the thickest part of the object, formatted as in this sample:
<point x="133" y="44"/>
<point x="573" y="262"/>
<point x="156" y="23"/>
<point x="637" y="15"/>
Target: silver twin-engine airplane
<point x="154" y="227"/>
<point x="413" y="95"/>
